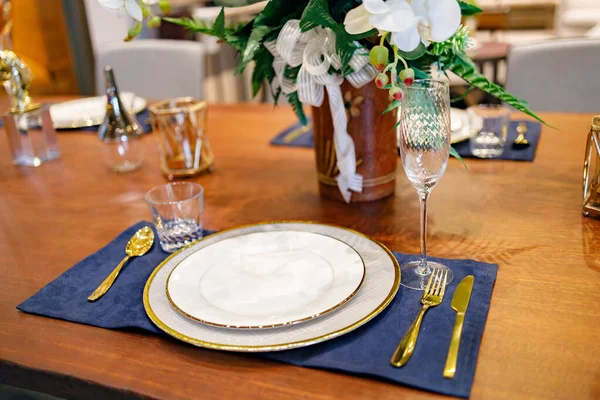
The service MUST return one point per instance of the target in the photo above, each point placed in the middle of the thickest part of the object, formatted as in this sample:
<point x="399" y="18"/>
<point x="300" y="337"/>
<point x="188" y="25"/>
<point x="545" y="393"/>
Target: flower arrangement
<point x="304" y="48"/>
<point x="404" y="38"/>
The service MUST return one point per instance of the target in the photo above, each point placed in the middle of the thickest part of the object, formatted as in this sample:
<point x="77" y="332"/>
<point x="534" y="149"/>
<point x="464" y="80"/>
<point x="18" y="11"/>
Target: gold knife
<point x="460" y="301"/>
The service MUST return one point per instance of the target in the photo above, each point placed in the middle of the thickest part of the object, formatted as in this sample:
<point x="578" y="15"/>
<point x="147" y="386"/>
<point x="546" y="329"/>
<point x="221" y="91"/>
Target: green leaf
<point x="239" y="38"/>
<point x="316" y="13"/>
<point x="397" y="124"/>
<point x="395" y="104"/>
<point x="339" y="8"/>
<point x="219" y="25"/>
<point x="416" y="53"/>
<point x="254" y="43"/>
<point x="297" y="106"/>
<point x="471" y="76"/>
<point x="263" y="69"/>
<point x="462" y="96"/>
<point x="190" y="24"/>
<point x="420" y="74"/>
<point x="467" y="9"/>
<point x="455" y="154"/>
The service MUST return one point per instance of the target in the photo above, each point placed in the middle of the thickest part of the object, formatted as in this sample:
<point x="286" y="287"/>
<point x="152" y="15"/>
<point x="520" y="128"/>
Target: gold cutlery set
<point x="432" y="297"/>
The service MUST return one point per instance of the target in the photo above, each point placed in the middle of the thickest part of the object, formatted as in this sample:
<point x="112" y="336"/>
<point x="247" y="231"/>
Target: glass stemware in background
<point x="179" y="125"/>
<point x="491" y="123"/>
<point x="177" y="213"/>
<point x="425" y="136"/>
<point x="120" y="133"/>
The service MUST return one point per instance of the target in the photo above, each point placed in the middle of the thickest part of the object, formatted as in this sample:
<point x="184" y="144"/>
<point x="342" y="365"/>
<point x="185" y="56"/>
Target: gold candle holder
<point x="179" y="125"/>
<point x="591" y="172"/>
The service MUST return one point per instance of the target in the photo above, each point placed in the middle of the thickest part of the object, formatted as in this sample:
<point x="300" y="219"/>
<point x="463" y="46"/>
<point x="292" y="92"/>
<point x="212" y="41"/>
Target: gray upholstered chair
<point x="561" y="75"/>
<point x="153" y="68"/>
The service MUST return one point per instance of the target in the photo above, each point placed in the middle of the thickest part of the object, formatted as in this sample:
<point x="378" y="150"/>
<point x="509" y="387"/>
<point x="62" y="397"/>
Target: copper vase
<point x="374" y="140"/>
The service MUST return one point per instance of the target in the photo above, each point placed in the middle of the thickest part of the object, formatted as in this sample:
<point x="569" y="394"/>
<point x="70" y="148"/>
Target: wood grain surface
<point x="542" y="338"/>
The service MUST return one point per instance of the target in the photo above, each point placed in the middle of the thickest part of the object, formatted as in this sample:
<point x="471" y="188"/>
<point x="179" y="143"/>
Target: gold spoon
<point x="520" y="140"/>
<point x="138" y="245"/>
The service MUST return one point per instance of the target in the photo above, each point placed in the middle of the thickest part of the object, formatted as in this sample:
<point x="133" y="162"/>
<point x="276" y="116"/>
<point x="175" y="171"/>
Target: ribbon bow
<point x="314" y="50"/>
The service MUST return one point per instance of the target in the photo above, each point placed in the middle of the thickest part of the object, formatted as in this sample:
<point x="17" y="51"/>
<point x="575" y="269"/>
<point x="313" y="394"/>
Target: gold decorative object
<point x="460" y="302"/>
<point x="16" y="77"/>
<point x="31" y="133"/>
<point x="179" y="125"/>
<point x="138" y="245"/>
<point x="432" y="296"/>
<point x="591" y="172"/>
<point x="520" y="140"/>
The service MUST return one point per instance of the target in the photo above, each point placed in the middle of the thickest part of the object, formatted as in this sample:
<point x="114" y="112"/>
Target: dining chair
<point x="560" y="75"/>
<point x="154" y="68"/>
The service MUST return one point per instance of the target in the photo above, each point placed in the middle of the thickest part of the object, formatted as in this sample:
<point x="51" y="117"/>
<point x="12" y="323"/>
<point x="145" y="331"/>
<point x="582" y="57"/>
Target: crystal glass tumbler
<point x="176" y="210"/>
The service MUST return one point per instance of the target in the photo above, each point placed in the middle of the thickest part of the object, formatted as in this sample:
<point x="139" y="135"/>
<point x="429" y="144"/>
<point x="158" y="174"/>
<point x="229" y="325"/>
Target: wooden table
<point x="542" y="338"/>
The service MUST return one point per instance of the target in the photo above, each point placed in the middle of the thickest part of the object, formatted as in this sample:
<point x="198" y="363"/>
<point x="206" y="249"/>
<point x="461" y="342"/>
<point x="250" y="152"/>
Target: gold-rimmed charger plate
<point x="381" y="282"/>
<point x="263" y="280"/>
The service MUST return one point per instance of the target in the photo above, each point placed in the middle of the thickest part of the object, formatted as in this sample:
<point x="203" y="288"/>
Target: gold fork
<point x="432" y="296"/>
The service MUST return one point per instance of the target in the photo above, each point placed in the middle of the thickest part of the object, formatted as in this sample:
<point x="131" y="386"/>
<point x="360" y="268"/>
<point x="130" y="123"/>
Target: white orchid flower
<point x="409" y="21"/>
<point x="131" y="7"/>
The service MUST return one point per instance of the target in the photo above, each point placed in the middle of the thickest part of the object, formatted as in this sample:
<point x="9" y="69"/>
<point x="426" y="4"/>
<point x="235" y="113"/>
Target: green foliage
<point x="395" y="104"/>
<point x="468" y="9"/>
<point x="317" y="13"/>
<point x="253" y="44"/>
<point x="217" y="29"/>
<point x="455" y="154"/>
<point x="297" y="106"/>
<point x="248" y="39"/>
<point x="465" y="70"/>
<point x="263" y="69"/>
<point x="415" y="54"/>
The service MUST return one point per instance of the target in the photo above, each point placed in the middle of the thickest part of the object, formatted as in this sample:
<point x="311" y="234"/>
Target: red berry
<point x="396" y="93"/>
<point x="381" y="80"/>
<point x="379" y="57"/>
<point x="407" y="76"/>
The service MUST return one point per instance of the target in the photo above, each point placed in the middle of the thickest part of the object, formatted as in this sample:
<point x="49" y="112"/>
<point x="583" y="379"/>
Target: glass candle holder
<point x="31" y="137"/>
<point x="179" y="126"/>
<point x="491" y="122"/>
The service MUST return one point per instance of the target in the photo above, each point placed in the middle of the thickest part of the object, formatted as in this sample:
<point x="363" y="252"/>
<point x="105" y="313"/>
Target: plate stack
<point x="270" y="287"/>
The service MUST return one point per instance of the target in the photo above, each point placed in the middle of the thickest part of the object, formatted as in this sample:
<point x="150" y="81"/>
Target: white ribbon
<point x="315" y="51"/>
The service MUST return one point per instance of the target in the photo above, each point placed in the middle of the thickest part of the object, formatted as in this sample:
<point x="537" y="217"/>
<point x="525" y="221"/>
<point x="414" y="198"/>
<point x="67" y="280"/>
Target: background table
<point x="542" y="339"/>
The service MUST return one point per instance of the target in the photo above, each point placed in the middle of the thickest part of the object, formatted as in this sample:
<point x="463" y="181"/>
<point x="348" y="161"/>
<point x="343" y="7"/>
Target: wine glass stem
<point x="423" y="267"/>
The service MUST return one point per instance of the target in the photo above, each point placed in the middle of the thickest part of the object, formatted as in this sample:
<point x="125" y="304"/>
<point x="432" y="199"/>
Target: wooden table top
<point x="542" y="338"/>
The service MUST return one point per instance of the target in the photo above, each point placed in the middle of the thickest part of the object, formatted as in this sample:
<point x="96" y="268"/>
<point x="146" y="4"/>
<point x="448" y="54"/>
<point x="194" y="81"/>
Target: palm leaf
<point x="455" y="154"/>
<point x="471" y="76"/>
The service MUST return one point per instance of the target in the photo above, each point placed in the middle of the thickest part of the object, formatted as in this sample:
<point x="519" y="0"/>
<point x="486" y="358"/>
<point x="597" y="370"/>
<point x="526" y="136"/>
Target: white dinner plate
<point x="265" y="279"/>
<point x="90" y="111"/>
<point x="380" y="284"/>
<point x="461" y="125"/>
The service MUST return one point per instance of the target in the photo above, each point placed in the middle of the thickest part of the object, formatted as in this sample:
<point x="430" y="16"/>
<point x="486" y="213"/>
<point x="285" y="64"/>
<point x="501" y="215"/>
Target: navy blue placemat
<point x="365" y="351"/>
<point x="143" y="118"/>
<point x="299" y="136"/>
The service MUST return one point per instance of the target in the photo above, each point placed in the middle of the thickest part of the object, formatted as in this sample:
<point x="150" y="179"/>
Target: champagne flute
<point x="424" y="147"/>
